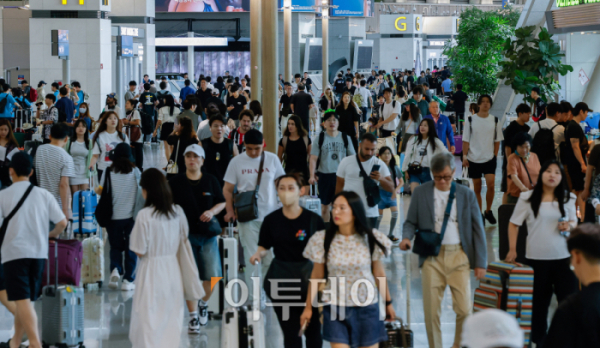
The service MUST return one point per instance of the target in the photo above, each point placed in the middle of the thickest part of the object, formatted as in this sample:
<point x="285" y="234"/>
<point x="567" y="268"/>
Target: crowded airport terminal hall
<point x="300" y="173"/>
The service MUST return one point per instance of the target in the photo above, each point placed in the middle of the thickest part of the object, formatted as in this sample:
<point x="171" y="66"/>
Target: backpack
<point x="3" y="103"/>
<point x="322" y="140"/>
<point x="358" y="99"/>
<point x="397" y="120"/>
<point x="543" y="144"/>
<point x="22" y="102"/>
<point x="33" y="95"/>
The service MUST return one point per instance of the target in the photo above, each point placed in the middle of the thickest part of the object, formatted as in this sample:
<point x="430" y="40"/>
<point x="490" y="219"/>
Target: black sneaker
<point x="203" y="315"/>
<point x="393" y="238"/>
<point x="490" y="217"/>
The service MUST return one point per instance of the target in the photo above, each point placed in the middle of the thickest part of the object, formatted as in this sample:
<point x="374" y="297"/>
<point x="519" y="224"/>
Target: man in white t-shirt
<point x="481" y="141"/>
<point x="349" y="176"/>
<point x="463" y="246"/>
<point x="367" y="103"/>
<point x="243" y="173"/>
<point x="551" y="122"/>
<point x="25" y="247"/>
<point x="388" y="115"/>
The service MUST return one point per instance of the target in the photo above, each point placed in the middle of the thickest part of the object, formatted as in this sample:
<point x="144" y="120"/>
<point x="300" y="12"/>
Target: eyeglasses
<point x="440" y="178"/>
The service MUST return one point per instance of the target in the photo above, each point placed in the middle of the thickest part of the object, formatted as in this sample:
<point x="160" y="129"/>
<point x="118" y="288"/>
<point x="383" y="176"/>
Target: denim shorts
<point x="361" y="326"/>
<point x="422" y="178"/>
<point x="386" y="200"/>
<point x="206" y="253"/>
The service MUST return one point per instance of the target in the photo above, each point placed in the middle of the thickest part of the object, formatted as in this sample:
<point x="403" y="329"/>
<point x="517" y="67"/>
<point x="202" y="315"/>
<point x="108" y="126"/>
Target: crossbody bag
<point x="526" y="170"/>
<point x="172" y="167"/>
<point x="416" y="168"/>
<point x="370" y="186"/>
<point x="428" y="242"/>
<point x="246" y="203"/>
<point x="12" y="214"/>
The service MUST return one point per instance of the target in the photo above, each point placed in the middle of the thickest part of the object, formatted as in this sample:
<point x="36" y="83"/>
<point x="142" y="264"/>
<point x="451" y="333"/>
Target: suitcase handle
<point x="402" y="332"/>
<point x="256" y="300"/>
<point x="230" y="229"/>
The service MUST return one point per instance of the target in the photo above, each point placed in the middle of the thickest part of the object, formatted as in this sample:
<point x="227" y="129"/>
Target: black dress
<point x="296" y="155"/>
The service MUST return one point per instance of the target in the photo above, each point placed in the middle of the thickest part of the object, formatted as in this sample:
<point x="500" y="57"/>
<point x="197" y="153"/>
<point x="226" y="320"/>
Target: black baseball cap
<point x="579" y="107"/>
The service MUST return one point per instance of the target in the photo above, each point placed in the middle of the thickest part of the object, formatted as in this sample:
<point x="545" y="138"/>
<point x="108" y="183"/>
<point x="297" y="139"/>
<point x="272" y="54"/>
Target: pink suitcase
<point x="458" y="145"/>
<point x="70" y="256"/>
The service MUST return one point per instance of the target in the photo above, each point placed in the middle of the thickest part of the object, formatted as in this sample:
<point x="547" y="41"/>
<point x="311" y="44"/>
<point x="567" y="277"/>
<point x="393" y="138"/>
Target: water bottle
<point x="565" y="234"/>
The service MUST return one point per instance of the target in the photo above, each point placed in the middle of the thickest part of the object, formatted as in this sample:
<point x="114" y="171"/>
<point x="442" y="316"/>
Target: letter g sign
<point x="402" y="26"/>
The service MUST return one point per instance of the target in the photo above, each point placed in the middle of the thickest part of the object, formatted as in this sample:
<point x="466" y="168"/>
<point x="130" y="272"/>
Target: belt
<point x="451" y="247"/>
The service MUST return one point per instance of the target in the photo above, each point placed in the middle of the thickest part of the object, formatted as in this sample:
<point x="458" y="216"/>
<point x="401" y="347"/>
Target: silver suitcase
<point x="311" y="202"/>
<point x="228" y="250"/>
<point x="62" y="312"/>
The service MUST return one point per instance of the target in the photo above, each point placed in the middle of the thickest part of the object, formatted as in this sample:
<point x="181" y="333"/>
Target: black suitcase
<point x="398" y="335"/>
<point x="505" y="211"/>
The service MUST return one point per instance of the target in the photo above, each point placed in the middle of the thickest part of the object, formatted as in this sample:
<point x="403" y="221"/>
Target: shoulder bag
<point x="172" y="167"/>
<point x="104" y="209"/>
<point x="526" y="170"/>
<point x="370" y="186"/>
<point x="428" y="242"/>
<point x="246" y="203"/>
<point x="415" y="168"/>
<point x="12" y="213"/>
<point x="192" y="287"/>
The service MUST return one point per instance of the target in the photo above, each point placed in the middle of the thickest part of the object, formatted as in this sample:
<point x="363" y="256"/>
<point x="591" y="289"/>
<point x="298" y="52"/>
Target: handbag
<point x="172" y="167"/>
<point x="246" y="203"/>
<point x="428" y="242"/>
<point x="192" y="288"/>
<point x="104" y="209"/>
<point x="370" y="186"/>
<point x="210" y="229"/>
<point x="416" y="168"/>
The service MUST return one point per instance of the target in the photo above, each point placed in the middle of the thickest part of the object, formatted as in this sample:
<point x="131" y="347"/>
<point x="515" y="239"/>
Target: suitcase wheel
<point x="100" y="285"/>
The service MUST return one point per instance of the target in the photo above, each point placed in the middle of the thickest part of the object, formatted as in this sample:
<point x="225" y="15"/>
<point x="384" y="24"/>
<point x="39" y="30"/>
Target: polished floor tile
<point x="108" y="312"/>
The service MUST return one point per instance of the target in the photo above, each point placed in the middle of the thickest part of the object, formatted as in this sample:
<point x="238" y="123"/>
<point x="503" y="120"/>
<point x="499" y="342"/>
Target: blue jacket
<point x="444" y="129"/>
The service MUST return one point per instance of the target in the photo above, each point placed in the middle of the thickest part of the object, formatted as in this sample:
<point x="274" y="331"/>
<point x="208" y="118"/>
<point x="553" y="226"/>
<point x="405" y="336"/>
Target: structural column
<point x="255" y="49"/>
<point x="325" y="44"/>
<point x="191" y="61"/>
<point x="287" y="38"/>
<point x="269" y="76"/>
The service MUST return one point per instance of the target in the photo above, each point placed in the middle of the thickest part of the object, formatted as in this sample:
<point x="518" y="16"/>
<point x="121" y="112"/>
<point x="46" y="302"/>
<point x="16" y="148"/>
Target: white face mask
<point x="82" y="110"/>
<point x="287" y="197"/>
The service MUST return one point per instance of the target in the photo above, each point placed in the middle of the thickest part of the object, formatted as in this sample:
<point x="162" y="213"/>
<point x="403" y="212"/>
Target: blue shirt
<point x="80" y="95"/>
<point x="23" y="101"/>
<point x="446" y="85"/>
<point x="66" y="105"/>
<point x="185" y="91"/>
<point x="57" y="94"/>
<point x="444" y="129"/>
<point x="10" y="102"/>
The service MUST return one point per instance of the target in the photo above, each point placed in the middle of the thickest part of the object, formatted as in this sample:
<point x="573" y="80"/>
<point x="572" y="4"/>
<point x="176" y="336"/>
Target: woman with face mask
<point x="84" y="114"/>
<point x="287" y="231"/>
<point x="522" y="167"/>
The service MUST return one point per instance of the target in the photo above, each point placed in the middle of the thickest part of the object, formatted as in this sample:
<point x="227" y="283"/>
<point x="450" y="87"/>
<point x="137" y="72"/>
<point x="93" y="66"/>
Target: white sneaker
<point x="203" y="315"/>
<point x="114" y="279"/>
<point x="194" y="326"/>
<point x="127" y="286"/>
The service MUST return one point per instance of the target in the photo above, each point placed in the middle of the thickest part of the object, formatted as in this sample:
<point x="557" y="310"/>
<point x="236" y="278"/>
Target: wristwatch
<point x="387" y="303"/>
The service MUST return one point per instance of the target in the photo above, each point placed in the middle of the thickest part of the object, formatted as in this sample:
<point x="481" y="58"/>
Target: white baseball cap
<point x="195" y="148"/>
<point x="492" y="328"/>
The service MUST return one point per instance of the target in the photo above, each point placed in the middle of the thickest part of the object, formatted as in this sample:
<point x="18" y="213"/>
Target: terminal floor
<point x="108" y="312"/>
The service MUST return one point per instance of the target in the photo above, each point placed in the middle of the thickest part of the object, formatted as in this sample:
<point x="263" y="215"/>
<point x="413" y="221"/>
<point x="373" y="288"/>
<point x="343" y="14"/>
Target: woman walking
<point x="122" y="177"/>
<point x="106" y="139"/>
<point x="287" y="231"/>
<point x="84" y="114"/>
<point x="388" y="199"/>
<point x="167" y="115"/>
<point x="295" y="147"/>
<point x="349" y="249"/>
<point x="419" y="151"/>
<point x="409" y="125"/>
<point x="349" y="118"/>
<point x="182" y="137"/>
<point x="133" y="123"/>
<point x="10" y="146"/>
<point x="549" y="212"/>
<point x="160" y="228"/>
<point x="522" y="168"/>
<point x="80" y="148"/>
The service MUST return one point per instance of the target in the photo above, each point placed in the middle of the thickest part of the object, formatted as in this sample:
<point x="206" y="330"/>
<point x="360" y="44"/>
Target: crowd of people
<point x="362" y="143"/>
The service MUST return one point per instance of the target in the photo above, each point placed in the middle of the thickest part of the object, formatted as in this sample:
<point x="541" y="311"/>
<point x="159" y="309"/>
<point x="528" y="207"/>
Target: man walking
<point x="301" y="103"/>
<point x="388" y="115"/>
<point x="463" y="244"/>
<point x="443" y="126"/>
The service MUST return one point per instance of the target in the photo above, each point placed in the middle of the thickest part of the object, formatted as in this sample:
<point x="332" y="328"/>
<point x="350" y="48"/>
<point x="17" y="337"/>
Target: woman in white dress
<point x="80" y="147"/>
<point x="157" y="313"/>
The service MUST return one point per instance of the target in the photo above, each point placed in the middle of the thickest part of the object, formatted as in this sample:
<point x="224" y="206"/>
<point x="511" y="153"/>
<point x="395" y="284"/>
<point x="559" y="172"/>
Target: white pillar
<point x="287" y="39"/>
<point x="191" y="62"/>
<point x="255" y="49"/>
<point x="66" y="71"/>
<point x="325" y="46"/>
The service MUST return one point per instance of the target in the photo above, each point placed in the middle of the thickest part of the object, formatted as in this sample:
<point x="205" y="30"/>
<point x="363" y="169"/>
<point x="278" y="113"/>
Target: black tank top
<point x="217" y="158"/>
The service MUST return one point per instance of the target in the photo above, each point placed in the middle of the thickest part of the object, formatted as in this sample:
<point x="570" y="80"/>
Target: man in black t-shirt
<point x="349" y="87"/>
<point x="458" y="100"/>
<point x="338" y="86"/>
<point x="285" y="100"/>
<point x="301" y="103"/>
<point x="235" y="103"/>
<point x="517" y="126"/>
<point x="201" y="198"/>
<point x="349" y="74"/>
<point x="410" y="80"/>
<point x="576" y="152"/>
<point x="308" y="83"/>
<point x="203" y="93"/>
<point x="539" y="106"/>
<point x="219" y="150"/>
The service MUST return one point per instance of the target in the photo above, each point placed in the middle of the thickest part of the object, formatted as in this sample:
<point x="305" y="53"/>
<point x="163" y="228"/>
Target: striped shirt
<point x="51" y="164"/>
<point x="124" y="192"/>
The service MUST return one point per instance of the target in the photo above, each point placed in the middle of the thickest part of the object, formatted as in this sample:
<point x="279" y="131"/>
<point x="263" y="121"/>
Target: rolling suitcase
<point x="505" y="211"/>
<point x="84" y="206"/>
<point x="509" y="287"/>
<point x="400" y="335"/>
<point x="228" y="251"/>
<point x="70" y="254"/>
<point x="311" y="202"/>
<point x="92" y="268"/>
<point x="244" y="327"/>
<point x="62" y="311"/>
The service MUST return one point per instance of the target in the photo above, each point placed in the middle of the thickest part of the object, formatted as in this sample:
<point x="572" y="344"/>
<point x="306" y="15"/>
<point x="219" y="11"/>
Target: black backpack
<point x="3" y="103"/>
<point x="322" y="140"/>
<point x="543" y="144"/>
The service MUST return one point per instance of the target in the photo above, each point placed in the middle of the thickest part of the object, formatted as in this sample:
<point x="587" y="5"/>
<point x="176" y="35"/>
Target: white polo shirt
<point x="27" y="232"/>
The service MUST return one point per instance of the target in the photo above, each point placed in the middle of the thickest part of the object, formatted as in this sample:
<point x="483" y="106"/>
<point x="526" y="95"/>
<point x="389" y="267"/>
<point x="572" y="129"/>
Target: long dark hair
<point x="299" y="126"/>
<point x="102" y="127"/>
<point x="361" y="224"/>
<point x="341" y="102"/>
<point x="169" y="101"/>
<point x="186" y="128"/>
<point x="561" y="192"/>
<point x="392" y="162"/>
<point x="86" y="114"/>
<point x="11" y="135"/>
<point x="158" y="192"/>
<point x="414" y="113"/>
<point x="86" y="135"/>
<point x="431" y="134"/>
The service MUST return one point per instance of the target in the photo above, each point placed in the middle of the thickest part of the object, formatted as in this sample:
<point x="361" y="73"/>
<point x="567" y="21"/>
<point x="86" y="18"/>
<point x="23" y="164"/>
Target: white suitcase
<point x="311" y="202"/>
<point x="228" y="251"/>
<point x="92" y="268"/>
<point x="243" y="327"/>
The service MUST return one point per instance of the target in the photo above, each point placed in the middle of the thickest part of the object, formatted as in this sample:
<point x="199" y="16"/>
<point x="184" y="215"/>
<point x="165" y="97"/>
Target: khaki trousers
<point x="449" y="268"/>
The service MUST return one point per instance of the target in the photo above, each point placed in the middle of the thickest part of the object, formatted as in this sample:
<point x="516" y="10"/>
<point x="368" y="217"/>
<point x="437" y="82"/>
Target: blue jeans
<point x="118" y="236"/>
<point x="207" y="256"/>
<point x="422" y="178"/>
<point x="361" y="326"/>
